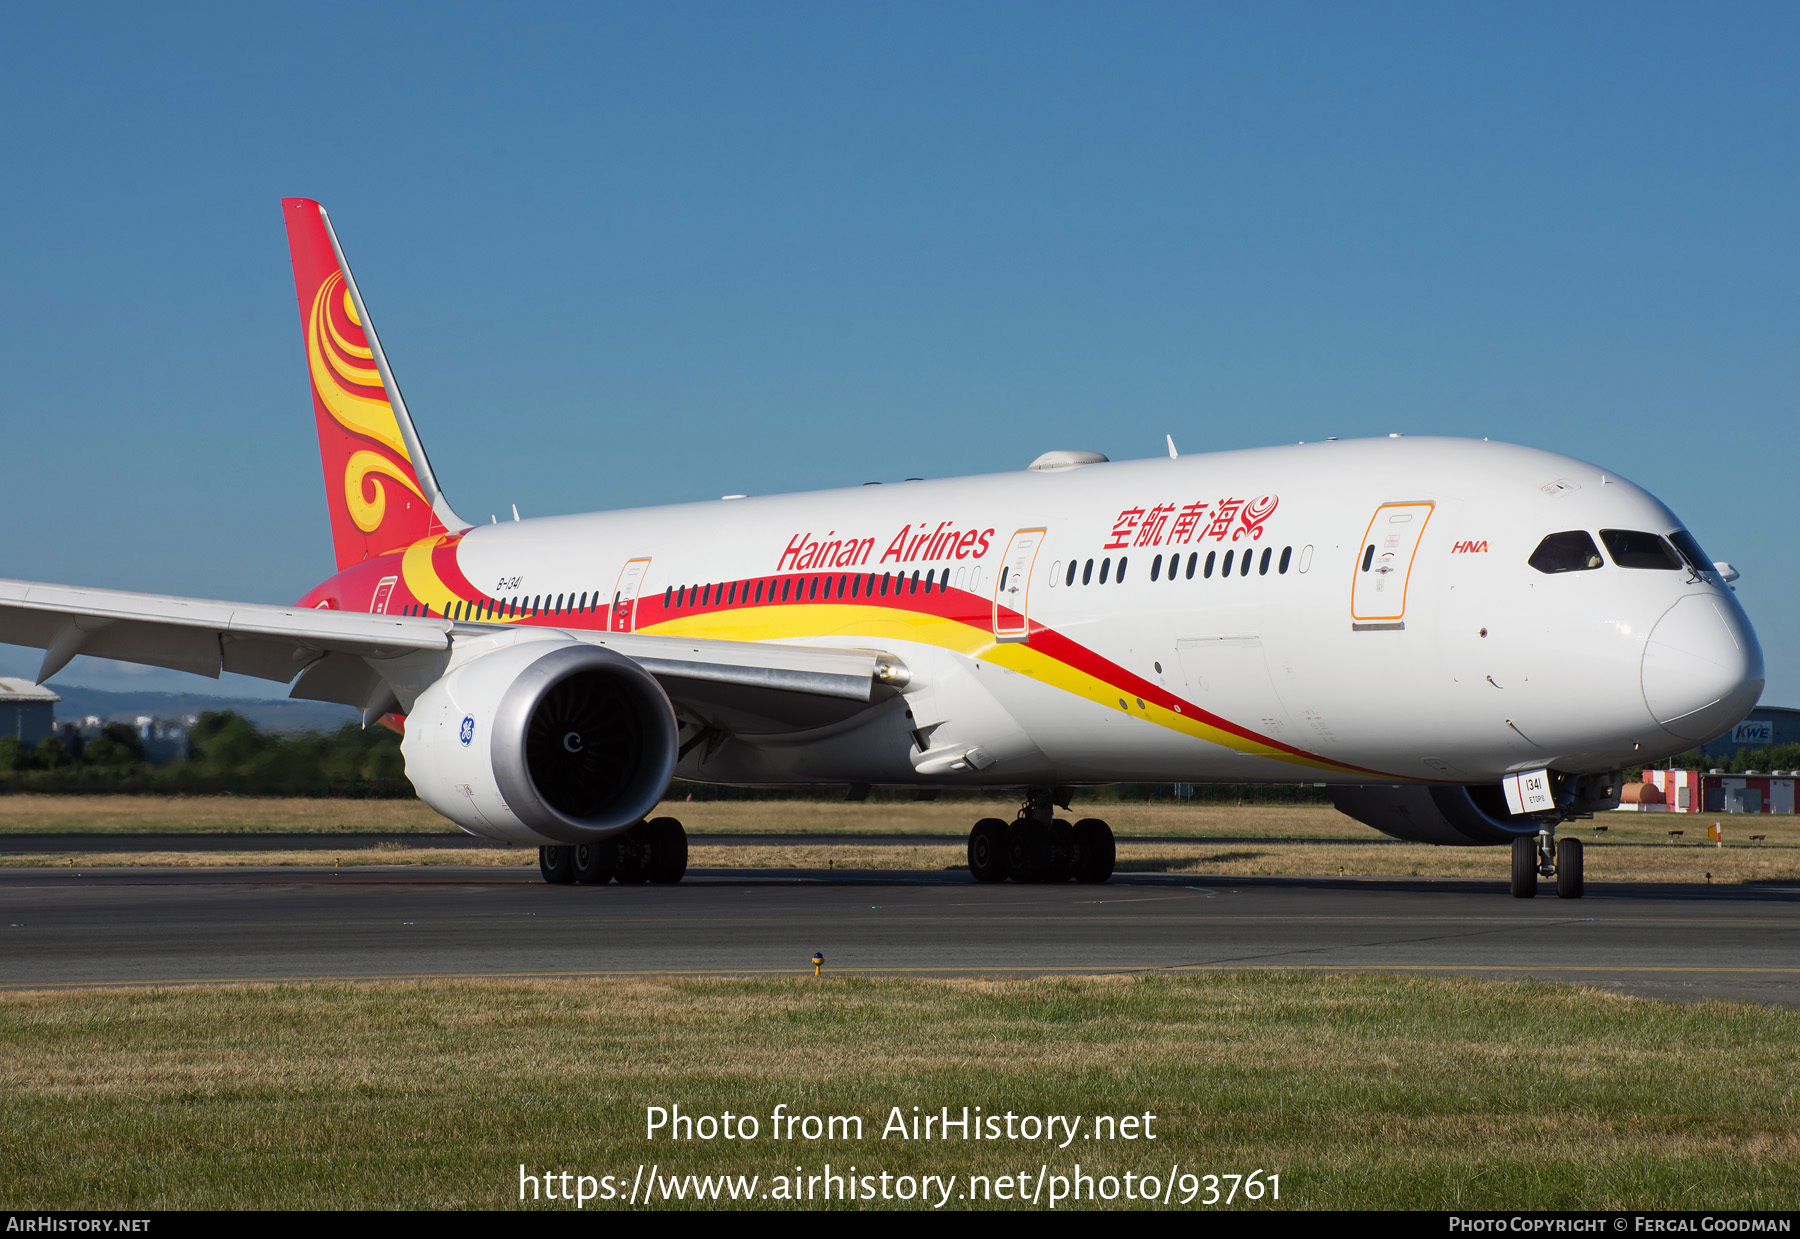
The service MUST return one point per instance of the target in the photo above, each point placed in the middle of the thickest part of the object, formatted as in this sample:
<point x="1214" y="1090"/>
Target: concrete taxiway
<point x="148" y="926"/>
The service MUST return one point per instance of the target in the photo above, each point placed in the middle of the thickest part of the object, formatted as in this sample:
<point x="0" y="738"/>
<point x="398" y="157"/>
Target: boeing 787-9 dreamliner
<point x="1465" y="642"/>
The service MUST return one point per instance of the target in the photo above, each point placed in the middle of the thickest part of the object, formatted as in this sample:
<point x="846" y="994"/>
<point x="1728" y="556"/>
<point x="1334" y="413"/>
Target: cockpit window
<point x="1573" y="551"/>
<point x="1631" y="548"/>
<point x="1690" y="551"/>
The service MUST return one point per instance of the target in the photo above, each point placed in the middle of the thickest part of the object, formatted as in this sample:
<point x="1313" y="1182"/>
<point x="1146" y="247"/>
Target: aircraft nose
<point x="1703" y="668"/>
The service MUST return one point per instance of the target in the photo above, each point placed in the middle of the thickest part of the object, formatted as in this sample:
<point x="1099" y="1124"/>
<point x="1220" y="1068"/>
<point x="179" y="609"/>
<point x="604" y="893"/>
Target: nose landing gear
<point x="1544" y="855"/>
<point x="1037" y="846"/>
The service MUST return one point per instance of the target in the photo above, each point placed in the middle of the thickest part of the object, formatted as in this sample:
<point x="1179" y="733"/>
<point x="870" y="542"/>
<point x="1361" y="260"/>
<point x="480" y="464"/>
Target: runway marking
<point x="921" y="969"/>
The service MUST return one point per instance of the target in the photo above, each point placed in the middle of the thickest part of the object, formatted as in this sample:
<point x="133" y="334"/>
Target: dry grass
<point x="1360" y="1091"/>
<point x="36" y="814"/>
<point x="1614" y="863"/>
<point x="1633" y="847"/>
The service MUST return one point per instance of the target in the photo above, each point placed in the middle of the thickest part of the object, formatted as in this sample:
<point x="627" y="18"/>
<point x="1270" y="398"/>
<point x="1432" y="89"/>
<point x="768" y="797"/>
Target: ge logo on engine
<point x="572" y="742"/>
<point x="468" y="729"/>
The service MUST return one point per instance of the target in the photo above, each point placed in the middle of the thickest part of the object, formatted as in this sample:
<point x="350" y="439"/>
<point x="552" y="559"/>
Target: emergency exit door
<point x="1384" y="563"/>
<point x="625" y="595"/>
<point x="1012" y="586"/>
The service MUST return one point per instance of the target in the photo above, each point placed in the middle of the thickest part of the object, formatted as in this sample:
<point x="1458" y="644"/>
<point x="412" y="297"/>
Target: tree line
<point x="226" y="753"/>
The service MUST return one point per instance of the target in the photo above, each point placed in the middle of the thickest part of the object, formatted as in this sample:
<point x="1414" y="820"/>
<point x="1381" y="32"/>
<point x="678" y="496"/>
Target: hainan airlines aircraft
<point x="1466" y="642"/>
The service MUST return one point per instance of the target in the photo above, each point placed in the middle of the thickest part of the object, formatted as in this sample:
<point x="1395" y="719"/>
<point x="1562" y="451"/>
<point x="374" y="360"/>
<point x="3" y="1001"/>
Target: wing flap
<point x="198" y="635"/>
<point x="338" y="655"/>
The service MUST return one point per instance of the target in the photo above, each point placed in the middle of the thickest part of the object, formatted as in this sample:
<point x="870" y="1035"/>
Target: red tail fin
<point x="378" y="486"/>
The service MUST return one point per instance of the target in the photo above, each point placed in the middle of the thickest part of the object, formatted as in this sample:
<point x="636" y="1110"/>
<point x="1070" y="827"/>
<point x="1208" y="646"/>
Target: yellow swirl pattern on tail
<point x="364" y="415"/>
<point x="365" y="510"/>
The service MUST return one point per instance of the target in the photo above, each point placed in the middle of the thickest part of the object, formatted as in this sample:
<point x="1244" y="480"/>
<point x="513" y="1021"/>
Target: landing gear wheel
<point x="668" y="850"/>
<point x="987" y="850"/>
<point x="1568" y="869"/>
<point x="1095" y="851"/>
<point x="1524" y="868"/>
<point x="634" y="852"/>
<point x="594" y="862"/>
<point x="1062" y="851"/>
<point x="557" y="864"/>
<point x="1028" y="850"/>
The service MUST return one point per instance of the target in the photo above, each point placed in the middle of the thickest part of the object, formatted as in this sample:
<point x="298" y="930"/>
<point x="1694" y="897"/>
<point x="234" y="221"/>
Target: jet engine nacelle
<point x="1459" y="816"/>
<point x="543" y="742"/>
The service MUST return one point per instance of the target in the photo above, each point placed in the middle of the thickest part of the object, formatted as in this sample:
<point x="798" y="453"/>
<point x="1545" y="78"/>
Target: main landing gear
<point x="1038" y="846"/>
<point x="654" y="851"/>
<point x="1543" y="855"/>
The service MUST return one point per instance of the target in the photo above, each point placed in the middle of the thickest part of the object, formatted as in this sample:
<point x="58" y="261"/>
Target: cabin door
<point x="625" y="595"/>
<point x="1384" y="564"/>
<point x="1012" y="587"/>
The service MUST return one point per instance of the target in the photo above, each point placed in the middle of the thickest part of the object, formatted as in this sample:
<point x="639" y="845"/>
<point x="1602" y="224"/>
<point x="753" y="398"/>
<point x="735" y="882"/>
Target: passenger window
<point x="786" y="585"/>
<point x="1244" y="568"/>
<point x="1287" y="553"/>
<point x="1156" y="569"/>
<point x="1211" y="558"/>
<point x="1087" y="573"/>
<point x="1194" y="558"/>
<point x="1070" y="578"/>
<point x="1573" y="551"/>
<point x="1368" y="556"/>
<point x="1105" y="567"/>
<point x="1226" y="570"/>
<point x="914" y="588"/>
<point x="1631" y="548"/>
<point x="1262" y="568"/>
<point x="1120" y="579"/>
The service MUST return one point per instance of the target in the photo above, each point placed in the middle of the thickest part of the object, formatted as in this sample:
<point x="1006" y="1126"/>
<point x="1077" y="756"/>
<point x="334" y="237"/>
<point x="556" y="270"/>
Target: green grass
<point x="1360" y="1091"/>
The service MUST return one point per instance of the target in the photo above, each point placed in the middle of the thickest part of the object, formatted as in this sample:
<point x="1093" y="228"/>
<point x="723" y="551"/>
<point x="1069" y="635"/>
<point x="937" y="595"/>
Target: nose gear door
<point x="1385" y="562"/>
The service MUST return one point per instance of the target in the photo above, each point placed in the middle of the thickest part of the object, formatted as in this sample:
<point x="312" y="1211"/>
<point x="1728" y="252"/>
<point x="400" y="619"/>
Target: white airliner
<point x="1467" y="642"/>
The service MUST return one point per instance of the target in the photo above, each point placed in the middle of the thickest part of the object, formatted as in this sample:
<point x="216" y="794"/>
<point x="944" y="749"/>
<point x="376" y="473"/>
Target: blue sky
<point x="628" y="255"/>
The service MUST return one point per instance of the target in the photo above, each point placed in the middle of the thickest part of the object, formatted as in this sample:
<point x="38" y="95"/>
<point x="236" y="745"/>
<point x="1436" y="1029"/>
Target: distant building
<point x="1694" y="791"/>
<point x="1765" y="727"/>
<point x="27" y="712"/>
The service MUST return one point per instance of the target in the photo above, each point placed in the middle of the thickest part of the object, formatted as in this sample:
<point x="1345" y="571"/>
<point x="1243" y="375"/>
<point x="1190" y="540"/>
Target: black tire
<point x="1028" y="850"/>
<point x="668" y="850"/>
<point x="1524" y="868"/>
<point x="1063" y="851"/>
<point x="634" y="853"/>
<point x="557" y="864"/>
<point x="1568" y="869"/>
<point x="595" y="862"/>
<point x="1095" y="852"/>
<point x="987" y="850"/>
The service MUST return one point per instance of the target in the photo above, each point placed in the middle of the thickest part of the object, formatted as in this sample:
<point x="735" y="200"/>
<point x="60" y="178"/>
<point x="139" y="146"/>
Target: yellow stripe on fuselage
<point x="789" y="623"/>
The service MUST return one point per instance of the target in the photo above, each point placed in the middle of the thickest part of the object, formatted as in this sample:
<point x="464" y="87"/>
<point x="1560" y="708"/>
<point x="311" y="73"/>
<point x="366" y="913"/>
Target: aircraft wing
<point x="344" y="656"/>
